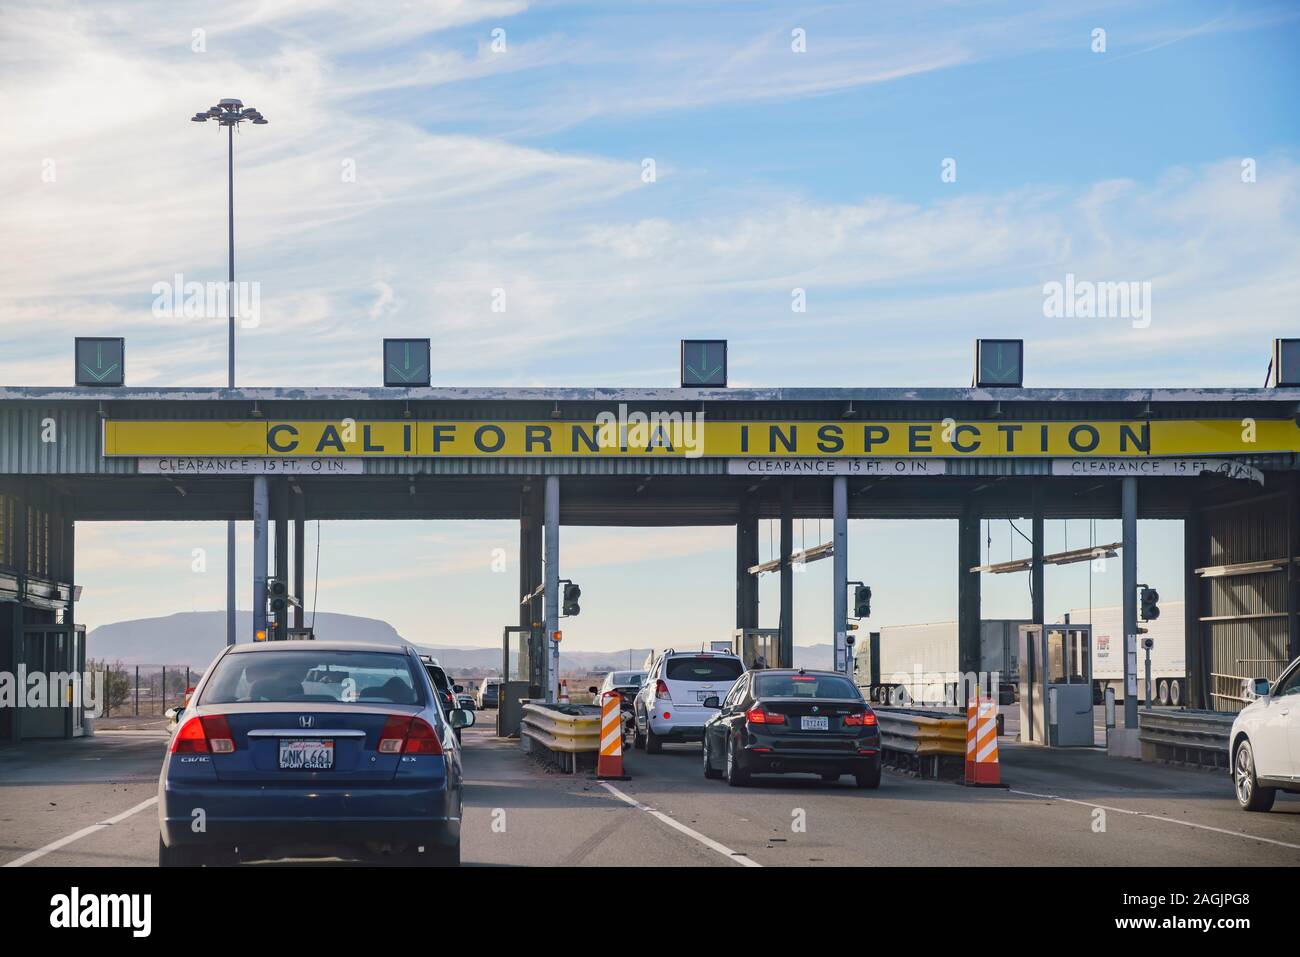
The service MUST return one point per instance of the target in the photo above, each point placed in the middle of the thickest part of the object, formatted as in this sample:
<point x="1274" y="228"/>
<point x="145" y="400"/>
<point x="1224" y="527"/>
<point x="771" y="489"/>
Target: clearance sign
<point x="688" y="436"/>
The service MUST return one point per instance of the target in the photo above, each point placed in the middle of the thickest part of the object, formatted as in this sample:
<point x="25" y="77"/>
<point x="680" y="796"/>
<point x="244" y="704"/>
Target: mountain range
<point x="194" y="638"/>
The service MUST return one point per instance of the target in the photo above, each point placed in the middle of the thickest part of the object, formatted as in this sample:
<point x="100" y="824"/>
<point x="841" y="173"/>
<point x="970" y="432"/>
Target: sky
<point x="556" y="192"/>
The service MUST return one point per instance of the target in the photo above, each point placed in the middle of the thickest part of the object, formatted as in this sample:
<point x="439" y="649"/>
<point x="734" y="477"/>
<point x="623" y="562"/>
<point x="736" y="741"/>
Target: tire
<point x="186" y="855"/>
<point x="710" y="771"/>
<point x="652" y="743"/>
<point x="736" y="776"/>
<point x="436" y="855"/>
<point x="1162" y="687"/>
<point x="1175" y="693"/>
<point x="1250" y="794"/>
<point x="638" y="739"/>
<point x="869" y="778"/>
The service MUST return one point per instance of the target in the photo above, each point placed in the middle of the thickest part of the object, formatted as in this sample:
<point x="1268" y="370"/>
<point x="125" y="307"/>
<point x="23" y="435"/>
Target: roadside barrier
<point x="1197" y="739"/>
<point x="982" y="743"/>
<point x="567" y="736"/>
<point x="609" y="765"/>
<point x="928" y="744"/>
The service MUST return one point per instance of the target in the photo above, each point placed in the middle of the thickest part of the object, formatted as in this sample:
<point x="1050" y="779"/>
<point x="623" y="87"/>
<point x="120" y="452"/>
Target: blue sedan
<point x="313" y="749"/>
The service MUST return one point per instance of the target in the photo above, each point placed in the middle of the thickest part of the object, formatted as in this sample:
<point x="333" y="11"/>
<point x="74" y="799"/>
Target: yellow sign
<point x="684" y="435"/>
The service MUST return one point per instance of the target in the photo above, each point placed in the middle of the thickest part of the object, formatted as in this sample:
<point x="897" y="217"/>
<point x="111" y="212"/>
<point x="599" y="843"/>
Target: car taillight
<point x="209" y="734"/>
<point x="661" y="689"/>
<point x="858" y="720"/>
<point x="761" y="716"/>
<point x="408" y="736"/>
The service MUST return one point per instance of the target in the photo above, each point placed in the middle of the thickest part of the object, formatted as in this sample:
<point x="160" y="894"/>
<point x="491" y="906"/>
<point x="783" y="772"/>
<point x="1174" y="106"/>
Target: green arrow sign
<point x="406" y="361"/>
<point x="1000" y="363"/>
<point x="704" y="363"/>
<point x="99" y="361"/>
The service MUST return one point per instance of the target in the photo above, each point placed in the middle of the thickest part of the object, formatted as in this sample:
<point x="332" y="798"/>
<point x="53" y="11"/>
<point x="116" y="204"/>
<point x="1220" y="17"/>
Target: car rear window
<point x="806" y="686"/>
<point x="702" y="669"/>
<point x="629" y="677"/>
<point x="348" y="677"/>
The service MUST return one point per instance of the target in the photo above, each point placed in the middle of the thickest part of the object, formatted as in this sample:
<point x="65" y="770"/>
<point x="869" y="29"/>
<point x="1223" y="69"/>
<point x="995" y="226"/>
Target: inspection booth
<point x="1056" y="685"/>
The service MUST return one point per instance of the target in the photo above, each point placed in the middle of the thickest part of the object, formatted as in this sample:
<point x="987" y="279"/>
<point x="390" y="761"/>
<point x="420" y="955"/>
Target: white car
<point x="670" y="705"/>
<point x="1265" y="742"/>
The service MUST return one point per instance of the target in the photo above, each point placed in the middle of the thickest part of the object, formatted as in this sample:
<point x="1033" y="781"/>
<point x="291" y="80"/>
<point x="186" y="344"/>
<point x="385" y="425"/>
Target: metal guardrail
<point x="1196" y="739"/>
<point x="930" y="744"/>
<point x="565" y="735"/>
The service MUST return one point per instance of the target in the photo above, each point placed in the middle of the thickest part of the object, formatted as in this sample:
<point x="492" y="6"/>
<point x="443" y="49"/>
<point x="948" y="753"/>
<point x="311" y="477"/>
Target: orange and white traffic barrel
<point x="609" y="763"/>
<point x="563" y="697"/>
<point x="982" y="743"/>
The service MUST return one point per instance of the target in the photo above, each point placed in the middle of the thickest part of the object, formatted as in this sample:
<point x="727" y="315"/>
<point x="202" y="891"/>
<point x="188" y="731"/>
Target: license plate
<point x="705" y="695"/>
<point x="313" y="755"/>
<point x="814" y="724"/>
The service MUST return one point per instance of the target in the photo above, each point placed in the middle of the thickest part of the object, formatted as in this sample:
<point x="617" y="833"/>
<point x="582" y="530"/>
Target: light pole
<point x="230" y="113"/>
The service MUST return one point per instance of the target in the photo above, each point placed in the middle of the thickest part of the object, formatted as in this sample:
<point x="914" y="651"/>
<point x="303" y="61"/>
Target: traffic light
<point x="277" y="595"/>
<point x="571" y="595"/>
<point x="849" y="629"/>
<point x="1147" y="598"/>
<point x="862" y="601"/>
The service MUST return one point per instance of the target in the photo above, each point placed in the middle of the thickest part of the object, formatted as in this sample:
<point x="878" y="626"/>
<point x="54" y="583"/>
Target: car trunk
<point x="263" y="731"/>
<point x="816" y="723"/>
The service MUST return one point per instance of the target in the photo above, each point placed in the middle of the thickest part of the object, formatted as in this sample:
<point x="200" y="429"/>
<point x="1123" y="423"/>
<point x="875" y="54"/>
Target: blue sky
<point x="479" y="168"/>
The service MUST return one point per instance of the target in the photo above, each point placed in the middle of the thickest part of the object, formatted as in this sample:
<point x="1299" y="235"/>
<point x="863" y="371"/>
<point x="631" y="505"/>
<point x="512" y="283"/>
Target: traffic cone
<point x="609" y="763"/>
<point x="982" y="768"/>
<point x="564" y="692"/>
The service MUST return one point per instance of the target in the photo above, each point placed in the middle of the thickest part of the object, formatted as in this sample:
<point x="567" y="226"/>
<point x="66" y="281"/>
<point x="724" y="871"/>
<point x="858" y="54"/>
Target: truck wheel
<point x="1175" y="693"/>
<point x="1163" y="690"/>
<point x="1250" y="795"/>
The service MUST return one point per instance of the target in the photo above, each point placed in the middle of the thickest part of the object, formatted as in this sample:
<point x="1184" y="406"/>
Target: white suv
<point x="670" y="705"/>
<point x="1265" y="742"/>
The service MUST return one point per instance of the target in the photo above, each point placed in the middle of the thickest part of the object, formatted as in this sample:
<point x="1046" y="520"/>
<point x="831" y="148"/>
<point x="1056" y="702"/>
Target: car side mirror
<point x="594" y="690"/>
<point x="1260" y="687"/>
<point x="712" y="702"/>
<point x="172" y="714"/>
<point x="461" y="718"/>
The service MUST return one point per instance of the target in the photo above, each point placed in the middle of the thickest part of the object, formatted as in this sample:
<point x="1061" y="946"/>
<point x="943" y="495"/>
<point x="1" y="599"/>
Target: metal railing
<point x="565" y="735"/>
<point x="1196" y="739"/>
<point x="929" y="744"/>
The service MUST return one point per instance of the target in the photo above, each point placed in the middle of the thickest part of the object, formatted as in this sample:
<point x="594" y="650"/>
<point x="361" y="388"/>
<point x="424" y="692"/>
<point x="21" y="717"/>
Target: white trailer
<point x="918" y="663"/>
<point x="1168" y="653"/>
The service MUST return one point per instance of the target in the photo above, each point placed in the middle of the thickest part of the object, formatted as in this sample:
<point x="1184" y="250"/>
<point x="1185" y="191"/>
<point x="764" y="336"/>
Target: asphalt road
<point x="89" y="803"/>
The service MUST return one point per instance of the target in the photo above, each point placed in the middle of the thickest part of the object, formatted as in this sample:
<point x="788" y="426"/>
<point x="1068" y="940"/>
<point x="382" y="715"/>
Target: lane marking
<point x="708" y="842"/>
<point x="78" y="835"/>
<point x="1157" y="817"/>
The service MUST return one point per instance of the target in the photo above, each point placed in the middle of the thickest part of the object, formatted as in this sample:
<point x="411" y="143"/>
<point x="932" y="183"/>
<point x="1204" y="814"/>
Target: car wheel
<point x="1250" y="795"/>
<point x="184" y="855"/>
<point x="737" y="777"/>
<point x="652" y="743"/>
<point x="638" y="739"/>
<point x="710" y="771"/>
<point x="870" y="778"/>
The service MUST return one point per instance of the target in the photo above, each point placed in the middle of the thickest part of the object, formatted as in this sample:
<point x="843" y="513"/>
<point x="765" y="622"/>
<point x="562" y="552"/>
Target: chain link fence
<point x="143" y="690"/>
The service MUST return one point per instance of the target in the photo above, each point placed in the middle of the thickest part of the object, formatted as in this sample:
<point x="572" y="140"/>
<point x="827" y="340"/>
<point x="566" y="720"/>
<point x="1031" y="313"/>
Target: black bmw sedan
<point x="779" y="721"/>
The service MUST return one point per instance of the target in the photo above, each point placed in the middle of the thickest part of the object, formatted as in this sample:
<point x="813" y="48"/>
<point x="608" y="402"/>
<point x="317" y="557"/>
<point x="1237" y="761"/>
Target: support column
<point x="530" y="576"/>
<point x="260" y="511"/>
<point x="1196" y="685"/>
<point x="840" y="571"/>
<point x="968" y="597"/>
<point x="1128" y="514"/>
<point x="230" y="583"/>
<point x="1037" y="572"/>
<point x="280" y="504"/>
<point x="785" y="642"/>
<point x="552" y="596"/>
<point x="746" y="557"/>
<point x="299" y="590"/>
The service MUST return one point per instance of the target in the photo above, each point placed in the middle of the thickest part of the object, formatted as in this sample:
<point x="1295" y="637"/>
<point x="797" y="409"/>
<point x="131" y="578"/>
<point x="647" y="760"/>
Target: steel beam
<point x="968" y="593"/>
<point x="1037" y="569"/>
<point x="1128" y="559"/>
<point x="840" y="569"/>
<point x="551" y="600"/>
<point x="280" y="504"/>
<point x="299" y="507"/>
<point x="785" y="641"/>
<point x="260" y="511"/>
<point x="746" y="556"/>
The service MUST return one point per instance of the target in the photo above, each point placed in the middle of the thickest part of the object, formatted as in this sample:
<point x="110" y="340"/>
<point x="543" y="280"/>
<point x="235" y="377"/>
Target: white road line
<point x="78" y="835"/>
<point x="1158" y="817"/>
<point x="708" y="842"/>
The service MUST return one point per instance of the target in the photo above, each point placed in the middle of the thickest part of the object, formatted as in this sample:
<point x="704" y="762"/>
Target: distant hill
<point x="194" y="638"/>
